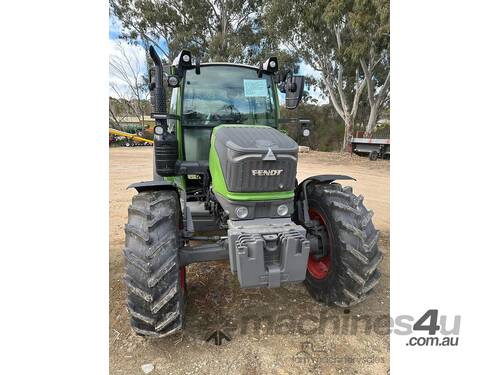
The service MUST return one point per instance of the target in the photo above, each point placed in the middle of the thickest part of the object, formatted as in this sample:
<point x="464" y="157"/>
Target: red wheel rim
<point x="183" y="277"/>
<point x="320" y="268"/>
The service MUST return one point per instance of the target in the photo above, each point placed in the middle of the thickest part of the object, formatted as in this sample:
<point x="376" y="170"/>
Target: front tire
<point x="348" y="272"/>
<point x="154" y="279"/>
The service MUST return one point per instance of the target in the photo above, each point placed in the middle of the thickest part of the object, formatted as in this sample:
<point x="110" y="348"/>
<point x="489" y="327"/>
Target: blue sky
<point x="114" y="43"/>
<point x="114" y="27"/>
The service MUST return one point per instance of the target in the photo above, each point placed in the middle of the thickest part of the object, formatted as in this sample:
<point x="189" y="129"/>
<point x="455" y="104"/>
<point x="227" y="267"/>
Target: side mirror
<point x="294" y="90"/>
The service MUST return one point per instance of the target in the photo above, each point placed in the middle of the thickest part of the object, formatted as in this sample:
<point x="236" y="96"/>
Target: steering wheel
<point x="232" y="113"/>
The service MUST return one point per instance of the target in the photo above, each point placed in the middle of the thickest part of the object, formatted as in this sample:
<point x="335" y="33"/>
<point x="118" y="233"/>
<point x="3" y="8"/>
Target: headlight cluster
<point x="282" y="210"/>
<point x="159" y="130"/>
<point x="241" y="212"/>
<point x="173" y="81"/>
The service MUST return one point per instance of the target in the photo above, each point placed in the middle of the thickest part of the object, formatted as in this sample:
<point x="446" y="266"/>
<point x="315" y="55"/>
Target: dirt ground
<point x="272" y="331"/>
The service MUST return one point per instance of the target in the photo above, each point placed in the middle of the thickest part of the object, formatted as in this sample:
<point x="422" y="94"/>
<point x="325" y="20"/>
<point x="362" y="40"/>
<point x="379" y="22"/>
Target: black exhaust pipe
<point x="166" y="148"/>
<point x="157" y="90"/>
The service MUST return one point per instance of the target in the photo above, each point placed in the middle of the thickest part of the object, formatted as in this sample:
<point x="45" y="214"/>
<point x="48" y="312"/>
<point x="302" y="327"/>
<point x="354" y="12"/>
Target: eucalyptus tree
<point x="369" y="26"/>
<point x="327" y="35"/>
<point x="214" y="30"/>
<point x="304" y="28"/>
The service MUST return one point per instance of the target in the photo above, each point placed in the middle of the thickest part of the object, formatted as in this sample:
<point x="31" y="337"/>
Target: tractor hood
<point x="253" y="159"/>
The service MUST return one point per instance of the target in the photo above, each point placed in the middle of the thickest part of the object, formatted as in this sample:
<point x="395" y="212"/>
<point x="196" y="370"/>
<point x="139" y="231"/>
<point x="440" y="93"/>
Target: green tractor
<point x="222" y="165"/>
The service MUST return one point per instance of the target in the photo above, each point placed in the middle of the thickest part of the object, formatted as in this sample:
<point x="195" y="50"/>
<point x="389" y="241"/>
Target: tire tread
<point x="155" y="302"/>
<point x="356" y="275"/>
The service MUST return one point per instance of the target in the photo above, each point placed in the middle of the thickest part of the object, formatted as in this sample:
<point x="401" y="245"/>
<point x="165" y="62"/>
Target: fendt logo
<point x="266" y="172"/>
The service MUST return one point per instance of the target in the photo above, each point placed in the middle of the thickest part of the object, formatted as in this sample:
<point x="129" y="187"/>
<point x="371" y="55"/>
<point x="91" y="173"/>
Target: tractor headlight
<point x="241" y="212"/>
<point x="282" y="210"/>
<point x="159" y="130"/>
<point x="183" y="60"/>
<point x="270" y="65"/>
<point x="173" y="81"/>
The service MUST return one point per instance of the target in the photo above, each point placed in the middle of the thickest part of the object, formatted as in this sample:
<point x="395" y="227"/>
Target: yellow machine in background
<point x="133" y="137"/>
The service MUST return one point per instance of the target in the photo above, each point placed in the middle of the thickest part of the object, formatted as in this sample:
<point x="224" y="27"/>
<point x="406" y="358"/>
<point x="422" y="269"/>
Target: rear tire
<point x="350" y="268"/>
<point x="373" y="155"/>
<point x="154" y="279"/>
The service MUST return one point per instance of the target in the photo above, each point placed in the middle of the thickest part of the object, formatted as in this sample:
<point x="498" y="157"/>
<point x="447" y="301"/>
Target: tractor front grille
<point x="248" y="175"/>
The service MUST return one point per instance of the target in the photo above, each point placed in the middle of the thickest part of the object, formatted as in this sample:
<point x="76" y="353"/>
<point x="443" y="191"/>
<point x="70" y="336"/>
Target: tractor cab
<point x="222" y="94"/>
<point x="204" y="96"/>
<point x="207" y="97"/>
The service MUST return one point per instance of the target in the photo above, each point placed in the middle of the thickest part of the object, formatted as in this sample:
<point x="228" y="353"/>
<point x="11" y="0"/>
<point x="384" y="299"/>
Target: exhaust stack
<point x="158" y="100"/>
<point x="166" y="148"/>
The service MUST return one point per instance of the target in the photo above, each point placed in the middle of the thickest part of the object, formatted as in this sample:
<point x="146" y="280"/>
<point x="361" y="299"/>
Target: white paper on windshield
<point x="255" y="87"/>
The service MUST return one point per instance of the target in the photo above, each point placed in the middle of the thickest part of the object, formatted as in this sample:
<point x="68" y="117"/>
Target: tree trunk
<point x="347" y="133"/>
<point x="372" y="121"/>
<point x="374" y="100"/>
<point x="348" y="116"/>
<point x="224" y="23"/>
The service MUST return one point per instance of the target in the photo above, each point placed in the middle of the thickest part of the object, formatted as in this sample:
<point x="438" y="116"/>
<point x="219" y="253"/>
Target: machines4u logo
<point x="439" y="328"/>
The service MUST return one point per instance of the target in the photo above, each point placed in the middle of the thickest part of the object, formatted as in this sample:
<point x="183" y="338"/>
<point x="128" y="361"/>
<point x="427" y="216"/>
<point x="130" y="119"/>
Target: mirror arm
<point x="259" y="72"/>
<point x="283" y="75"/>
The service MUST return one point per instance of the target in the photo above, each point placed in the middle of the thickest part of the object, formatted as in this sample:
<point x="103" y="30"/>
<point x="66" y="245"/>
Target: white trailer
<point x="373" y="147"/>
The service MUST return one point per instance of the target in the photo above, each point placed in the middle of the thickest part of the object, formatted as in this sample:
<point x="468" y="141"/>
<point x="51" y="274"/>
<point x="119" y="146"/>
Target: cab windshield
<point x="224" y="94"/>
